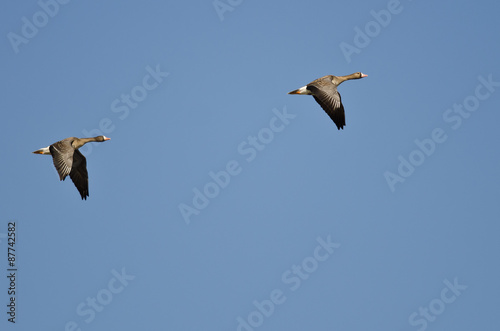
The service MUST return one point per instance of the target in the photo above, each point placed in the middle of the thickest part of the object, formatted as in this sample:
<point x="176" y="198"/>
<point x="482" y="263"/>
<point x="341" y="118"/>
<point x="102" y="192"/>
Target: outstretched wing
<point x="329" y="99"/>
<point x="79" y="174"/>
<point x="62" y="156"/>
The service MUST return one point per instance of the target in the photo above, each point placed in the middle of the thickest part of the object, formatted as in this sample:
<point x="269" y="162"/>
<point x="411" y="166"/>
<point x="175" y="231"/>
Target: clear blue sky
<point x="221" y="202"/>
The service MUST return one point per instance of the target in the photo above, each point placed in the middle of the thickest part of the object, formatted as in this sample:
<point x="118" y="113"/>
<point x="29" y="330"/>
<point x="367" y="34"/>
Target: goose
<point x="69" y="161"/>
<point x="324" y="91"/>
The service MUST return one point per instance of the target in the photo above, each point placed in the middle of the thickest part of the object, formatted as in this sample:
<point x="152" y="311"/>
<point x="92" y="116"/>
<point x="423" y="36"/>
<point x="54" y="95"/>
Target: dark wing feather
<point x="79" y="174"/>
<point x="329" y="99"/>
<point x="62" y="156"/>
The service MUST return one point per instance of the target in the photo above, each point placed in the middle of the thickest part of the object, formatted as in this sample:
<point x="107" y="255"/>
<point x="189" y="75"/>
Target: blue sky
<point x="221" y="202"/>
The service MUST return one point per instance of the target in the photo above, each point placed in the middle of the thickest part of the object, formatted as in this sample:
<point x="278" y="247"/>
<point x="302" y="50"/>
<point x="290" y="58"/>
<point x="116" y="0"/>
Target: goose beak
<point x="44" y="151"/>
<point x="106" y="138"/>
<point x="363" y="75"/>
<point x="302" y="90"/>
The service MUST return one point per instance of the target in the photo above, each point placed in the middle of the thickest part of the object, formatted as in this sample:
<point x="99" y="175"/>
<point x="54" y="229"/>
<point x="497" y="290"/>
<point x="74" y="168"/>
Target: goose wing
<point x="330" y="100"/>
<point x="79" y="174"/>
<point x="62" y="156"/>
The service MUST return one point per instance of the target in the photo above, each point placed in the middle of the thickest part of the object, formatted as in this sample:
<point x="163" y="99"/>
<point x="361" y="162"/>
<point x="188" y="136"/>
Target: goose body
<point x="324" y="91"/>
<point x="69" y="161"/>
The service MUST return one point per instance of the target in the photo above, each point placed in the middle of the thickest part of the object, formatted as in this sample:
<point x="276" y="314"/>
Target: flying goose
<point x="69" y="161"/>
<point x="324" y="91"/>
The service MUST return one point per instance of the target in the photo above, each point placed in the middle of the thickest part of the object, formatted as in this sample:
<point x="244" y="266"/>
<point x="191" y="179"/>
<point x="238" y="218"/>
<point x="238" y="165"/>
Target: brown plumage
<point x="324" y="91"/>
<point x="69" y="161"/>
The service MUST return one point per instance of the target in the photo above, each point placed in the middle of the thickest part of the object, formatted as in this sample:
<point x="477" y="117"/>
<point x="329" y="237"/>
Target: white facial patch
<point x="304" y="90"/>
